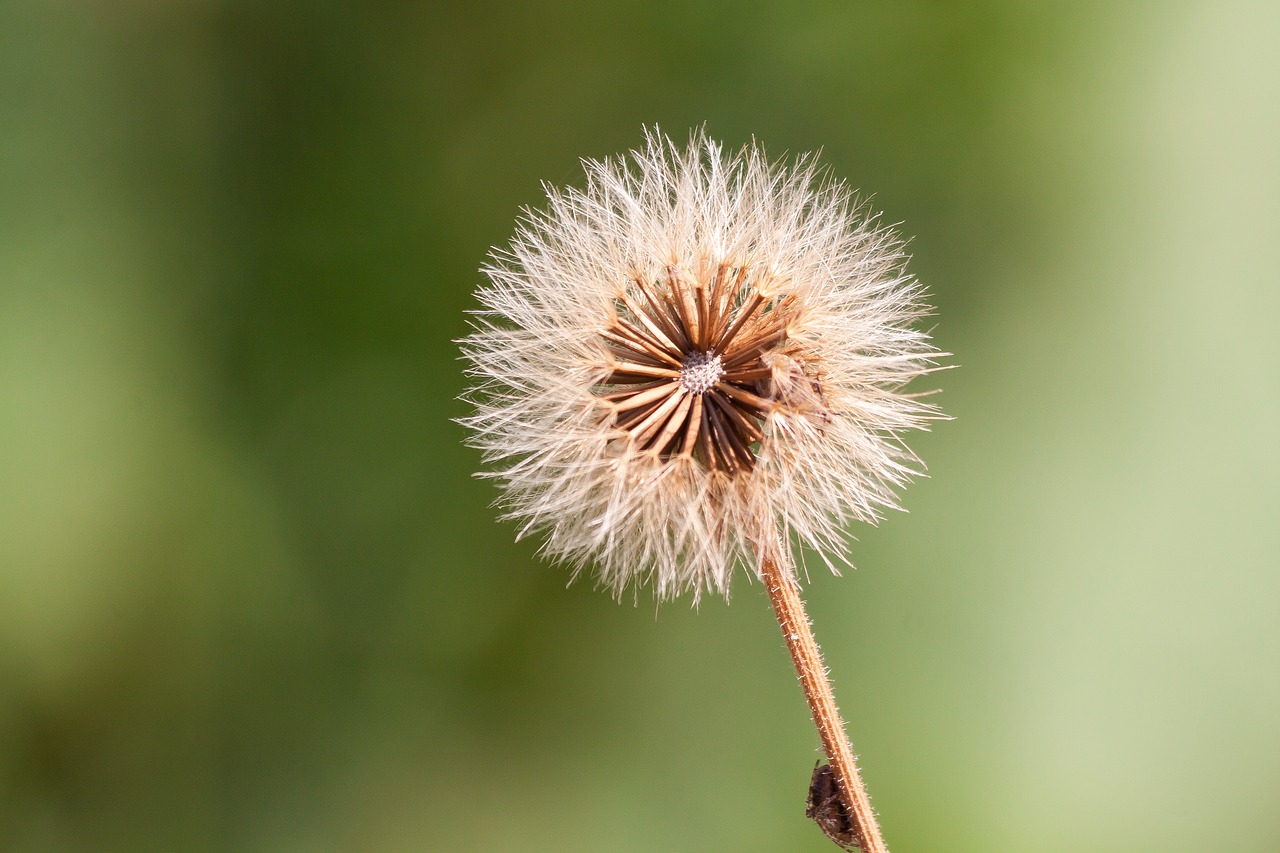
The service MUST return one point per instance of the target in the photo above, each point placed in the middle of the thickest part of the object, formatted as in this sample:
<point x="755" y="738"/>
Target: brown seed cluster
<point x="689" y="376"/>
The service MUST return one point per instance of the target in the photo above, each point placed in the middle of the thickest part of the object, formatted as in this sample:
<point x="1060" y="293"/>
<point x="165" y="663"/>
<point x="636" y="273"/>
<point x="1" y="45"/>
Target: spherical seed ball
<point x="696" y="353"/>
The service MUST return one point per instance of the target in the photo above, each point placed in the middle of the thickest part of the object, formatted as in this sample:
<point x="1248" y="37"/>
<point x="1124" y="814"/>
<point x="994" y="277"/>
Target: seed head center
<point x="700" y="372"/>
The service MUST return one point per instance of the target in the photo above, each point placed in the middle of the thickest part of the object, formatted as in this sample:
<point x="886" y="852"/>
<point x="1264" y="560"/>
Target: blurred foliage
<point x="251" y="598"/>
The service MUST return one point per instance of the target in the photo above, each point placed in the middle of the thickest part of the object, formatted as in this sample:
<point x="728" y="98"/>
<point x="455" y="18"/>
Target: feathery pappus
<point x="696" y="350"/>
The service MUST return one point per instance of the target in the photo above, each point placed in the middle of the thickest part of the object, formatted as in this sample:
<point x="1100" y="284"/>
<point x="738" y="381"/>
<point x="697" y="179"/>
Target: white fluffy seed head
<point x="695" y="352"/>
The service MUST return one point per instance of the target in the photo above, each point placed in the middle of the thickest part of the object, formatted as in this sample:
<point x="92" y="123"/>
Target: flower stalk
<point x="788" y="606"/>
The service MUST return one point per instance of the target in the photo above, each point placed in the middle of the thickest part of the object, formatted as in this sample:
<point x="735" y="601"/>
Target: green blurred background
<point x="252" y="599"/>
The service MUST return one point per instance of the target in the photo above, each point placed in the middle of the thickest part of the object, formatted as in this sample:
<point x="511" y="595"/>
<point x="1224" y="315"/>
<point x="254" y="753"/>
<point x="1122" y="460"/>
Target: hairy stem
<point x="784" y="594"/>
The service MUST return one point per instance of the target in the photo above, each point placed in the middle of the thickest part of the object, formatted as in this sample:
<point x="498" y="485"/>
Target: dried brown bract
<point x="825" y="809"/>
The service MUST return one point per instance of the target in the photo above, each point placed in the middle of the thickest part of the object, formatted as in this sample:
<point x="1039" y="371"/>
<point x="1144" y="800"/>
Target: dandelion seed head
<point x="694" y="348"/>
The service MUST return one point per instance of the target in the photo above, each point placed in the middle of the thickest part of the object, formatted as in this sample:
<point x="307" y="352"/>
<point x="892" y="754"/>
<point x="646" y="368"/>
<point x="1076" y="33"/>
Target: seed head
<point x="696" y="350"/>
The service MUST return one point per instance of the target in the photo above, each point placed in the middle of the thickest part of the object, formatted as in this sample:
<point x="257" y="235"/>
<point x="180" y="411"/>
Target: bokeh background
<point x="252" y="599"/>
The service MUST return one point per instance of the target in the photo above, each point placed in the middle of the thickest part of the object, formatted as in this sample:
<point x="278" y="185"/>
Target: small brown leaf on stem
<point x="825" y="809"/>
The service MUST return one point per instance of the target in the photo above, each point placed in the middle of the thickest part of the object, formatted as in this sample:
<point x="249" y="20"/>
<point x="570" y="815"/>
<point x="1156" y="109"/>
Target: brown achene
<point x="688" y="376"/>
